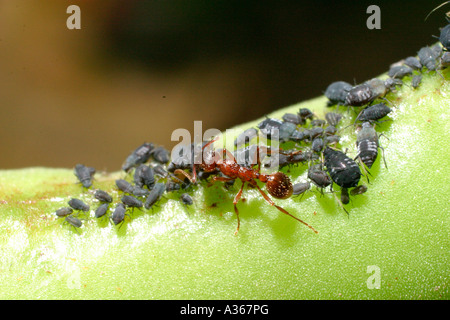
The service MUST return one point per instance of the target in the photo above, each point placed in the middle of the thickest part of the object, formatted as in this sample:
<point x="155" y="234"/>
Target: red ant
<point x="278" y="184"/>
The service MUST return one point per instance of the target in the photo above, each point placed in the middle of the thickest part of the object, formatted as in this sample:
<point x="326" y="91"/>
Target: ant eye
<point x="279" y="185"/>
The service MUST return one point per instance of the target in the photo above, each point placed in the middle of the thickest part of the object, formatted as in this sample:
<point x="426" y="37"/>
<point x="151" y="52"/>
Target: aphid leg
<point x="121" y="223"/>
<point x="382" y="153"/>
<point x="340" y="203"/>
<point x="382" y="150"/>
<point x="266" y="197"/>
<point x="71" y="226"/>
<point x="440" y="74"/>
<point x="76" y="229"/>
<point x="364" y="169"/>
<point x="235" y="201"/>
<point x="357" y="117"/>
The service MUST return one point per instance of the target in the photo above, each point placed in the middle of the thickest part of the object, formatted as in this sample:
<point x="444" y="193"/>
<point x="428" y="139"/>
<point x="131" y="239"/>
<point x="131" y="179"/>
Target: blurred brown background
<point x="137" y="70"/>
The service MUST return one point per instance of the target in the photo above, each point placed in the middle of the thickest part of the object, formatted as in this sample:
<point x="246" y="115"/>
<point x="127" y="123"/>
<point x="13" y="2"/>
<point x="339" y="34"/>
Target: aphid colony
<point x="151" y="171"/>
<point x="143" y="192"/>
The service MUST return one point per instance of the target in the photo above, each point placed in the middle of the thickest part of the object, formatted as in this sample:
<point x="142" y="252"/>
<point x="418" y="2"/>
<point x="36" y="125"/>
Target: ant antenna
<point x="439" y="6"/>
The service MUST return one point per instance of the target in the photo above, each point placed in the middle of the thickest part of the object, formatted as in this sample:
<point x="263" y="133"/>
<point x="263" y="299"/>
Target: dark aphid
<point x="161" y="155"/>
<point x="101" y="210"/>
<point x="374" y="112"/>
<point x="333" y="139"/>
<point x="102" y="196"/>
<point x="343" y="170"/>
<point x="315" y="132"/>
<point x="379" y="87"/>
<point x="305" y="113"/>
<point x="274" y="161"/>
<point x="155" y="195"/>
<point x="64" y="212"/>
<point x="160" y="171"/>
<point x="297" y="157"/>
<point x="172" y="186"/>
<point x="390" y="84"/>
<point x="318" y="176"/>
<point x="203" y="175"/>
<point x="413" y="63"/>
<point x="317" y="144"/>
<point x="118" y="214"/>
<point x="138" y="156"/>
<point x="367" y="144"/>
<point x="286" y="131"/>
<point x="131" y="202"/>
<point x="318" y="123"/>
<point x="77" y="204"/>
<point x="445" y="60"/>
<point x="358" y="190"/>
<point x="298" y="136"/>
<point x="186" y="199"/>
<point x="428" y="58"/>
<point x="269" y="125"/>
<point x="144" y="176"/>
<point x="137" y="175"/>
<point x="75" y="222"/>
<point x="84" y="174"/>
<point x="302" y="157"/>
<point x="437" y="50"/>
<point x="399" y="72"/>
<point x="337" y="91"/>
<point x="330" y="130"/>
<point x="244" y="138"/>
<point x="312" y="133"/>
<point x="293" y="118"/>
<point x="300" y="188"/>
<point x="444" y="37"/>
<point x="345" y="198"/>
<point x="124" y="186"/>
<point x="416" y="80"/>
<point x="139" y="192"/>
<point x="333" y="118"/>
<point x="359" y="95"/>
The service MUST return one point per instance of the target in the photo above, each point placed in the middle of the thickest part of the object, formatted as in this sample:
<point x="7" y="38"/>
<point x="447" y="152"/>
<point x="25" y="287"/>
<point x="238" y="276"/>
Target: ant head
<point x="279" y="185"/>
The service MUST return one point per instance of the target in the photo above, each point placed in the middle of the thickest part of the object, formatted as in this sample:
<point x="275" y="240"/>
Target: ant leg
<point x="209" y="143"/>
<point x="215" y="178"/>
<point x="235" y="201"/>
<point x="192" y="178"/>
<point x="224" y="179"/>
<point x="266" y="197"/>
<point x="229" y="154"/>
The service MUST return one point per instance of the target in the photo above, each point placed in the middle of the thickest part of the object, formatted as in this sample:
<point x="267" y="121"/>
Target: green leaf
<point x="397" y="232"/>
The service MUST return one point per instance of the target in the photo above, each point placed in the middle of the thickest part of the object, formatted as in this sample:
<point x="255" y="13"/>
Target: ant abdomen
<point x="279" y="185"/>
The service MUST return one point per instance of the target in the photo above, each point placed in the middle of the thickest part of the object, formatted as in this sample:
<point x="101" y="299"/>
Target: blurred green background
<point x="137" y="70"/>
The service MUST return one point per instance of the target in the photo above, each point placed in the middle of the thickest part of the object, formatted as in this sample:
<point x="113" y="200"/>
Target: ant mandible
<point x="278" y="184"/>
